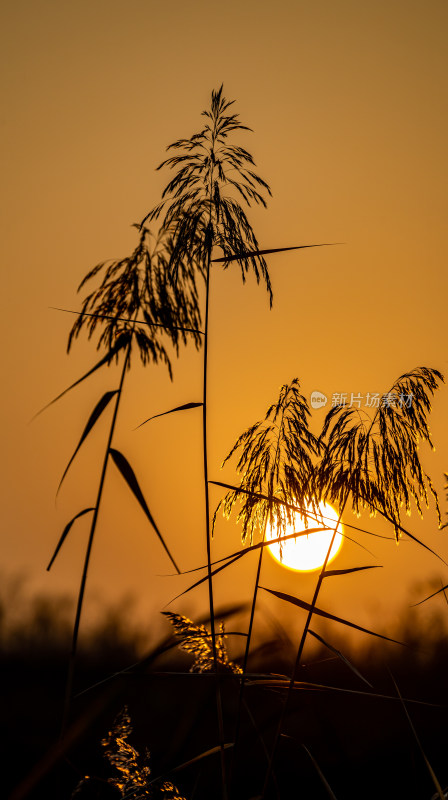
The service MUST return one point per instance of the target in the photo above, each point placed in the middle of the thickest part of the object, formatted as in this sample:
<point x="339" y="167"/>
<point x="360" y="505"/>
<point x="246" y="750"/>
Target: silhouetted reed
<point x="276" y="460"/>
<point x="370" y="463"/>
<point x="135" y="308"/>
<point x="199" y="206"/>
<point x="202" y="207"/>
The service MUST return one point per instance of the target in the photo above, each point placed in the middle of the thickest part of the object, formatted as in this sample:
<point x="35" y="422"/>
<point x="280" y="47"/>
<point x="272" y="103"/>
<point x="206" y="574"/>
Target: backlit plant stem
<point x="79" y="606"/>
<point x="254" y="599"/>
<point x="208" y="533"/>
<point x="305" y="633"/>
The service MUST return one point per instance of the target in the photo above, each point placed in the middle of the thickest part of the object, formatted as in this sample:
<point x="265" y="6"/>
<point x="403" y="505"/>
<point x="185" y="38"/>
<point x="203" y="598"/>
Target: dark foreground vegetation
<point x="363" y="745"/>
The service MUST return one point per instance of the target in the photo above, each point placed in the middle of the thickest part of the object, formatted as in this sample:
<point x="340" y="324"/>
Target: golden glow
<point x="307" y="552"/>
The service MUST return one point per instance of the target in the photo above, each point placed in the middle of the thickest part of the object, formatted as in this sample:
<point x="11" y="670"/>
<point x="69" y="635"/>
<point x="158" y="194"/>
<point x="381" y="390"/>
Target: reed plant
<point x="134" y="310"/>
<point x="276" y="462"/>
<point x="360" y="462"/>
<point x="203" y="207"/>
<point x="371" y="463"/>
<point x="148" y="304"/>
<point x="200" y="206"/>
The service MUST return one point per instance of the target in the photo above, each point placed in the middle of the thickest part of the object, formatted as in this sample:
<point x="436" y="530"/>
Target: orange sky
<point x="348" y="102"/>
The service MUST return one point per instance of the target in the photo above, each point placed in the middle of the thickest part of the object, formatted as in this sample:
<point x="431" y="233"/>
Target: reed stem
<point x="208" y="535"/>
<point x="79" y="606"/>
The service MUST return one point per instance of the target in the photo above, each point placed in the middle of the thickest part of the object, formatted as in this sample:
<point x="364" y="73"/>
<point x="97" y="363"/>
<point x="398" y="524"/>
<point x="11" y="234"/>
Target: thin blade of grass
<point x="121" y="342"/>
<point x="204" y="579"/>
<point x="205" y="754"/>
<point x="267" y="543"/>
<point x="444" y="594"/>
<point x="224" y="612"/>
<point x="128" y="474"/>
<point x="321" y="613"/>
<point x="434" y="779"/>
<point x="262" y="743"/>
<point x="341" y="656"/>
<point x="331" y="572"/>
<point x="124" y="319"/>
<point x="302" y="511"/>
<point x="251" y="547"/>
<point x="171" y="411"/>
<point x="319" y="771"/>
<point x="277" y="683"/>
<point x="65" y="534"/>
<point x="430" y="596"/>
<point x="418" y="541"/>
<point x="321" y="774"/>
<point x="411" y="535"/>
<point x="96" y="413"/>
<point x="252" y="253"/>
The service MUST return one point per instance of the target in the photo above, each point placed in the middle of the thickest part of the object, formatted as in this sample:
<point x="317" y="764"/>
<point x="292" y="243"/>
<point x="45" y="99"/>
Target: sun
<point x="308" y="552"/>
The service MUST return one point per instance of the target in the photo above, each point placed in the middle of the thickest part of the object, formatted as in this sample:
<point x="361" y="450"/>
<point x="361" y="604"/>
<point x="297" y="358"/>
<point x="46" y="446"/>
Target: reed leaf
<point x="128" y="474"/>
<point x="411" y="536"/>
<point x="320" y="773"/>
<point x="249" y="548"/>
<point x="341" y="656"/>
<point x="440" y="793"/>
<point x="96" y="413"/>
<point x="430" y="596"/>
<point x="214" y="572"/>
<point x="284" y="683"/>
<point x="321" y="613"/>
<point x="185" y="407"/>
<point x="328" y="573"/>
<point x="206" y="754"/>
<point x="121" y="343"/>
<point x="124" y="319"/>
<point x="228" y="259"/>
<point x="233" y="557"/>
<point x="65" y="533"/>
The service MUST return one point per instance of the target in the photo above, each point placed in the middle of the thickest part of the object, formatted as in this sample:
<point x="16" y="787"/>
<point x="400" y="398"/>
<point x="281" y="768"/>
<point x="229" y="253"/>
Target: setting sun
<point x="307" y="552"/>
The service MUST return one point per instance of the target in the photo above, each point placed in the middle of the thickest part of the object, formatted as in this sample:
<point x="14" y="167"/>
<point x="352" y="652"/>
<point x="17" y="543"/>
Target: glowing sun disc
<point x="306" y="553"/>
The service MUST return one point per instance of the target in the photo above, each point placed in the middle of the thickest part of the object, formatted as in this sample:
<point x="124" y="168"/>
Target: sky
<point x="347" y="102"/>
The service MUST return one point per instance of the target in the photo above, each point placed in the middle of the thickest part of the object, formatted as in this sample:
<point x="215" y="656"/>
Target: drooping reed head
<point x="137" y="302"/>
<point x="202" y="203"/>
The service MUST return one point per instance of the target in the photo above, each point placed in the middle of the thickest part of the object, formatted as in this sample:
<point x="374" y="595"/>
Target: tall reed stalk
<point x="200" y="207"/>
<point x="276" y="460"/>
<point x="131" y="287"/>
<point x="79" y="605"/>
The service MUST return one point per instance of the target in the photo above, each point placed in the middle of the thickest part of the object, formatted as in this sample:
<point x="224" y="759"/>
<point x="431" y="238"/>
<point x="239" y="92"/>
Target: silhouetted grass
<point x="350" y="730"/>
<point x="134" y="308"/>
